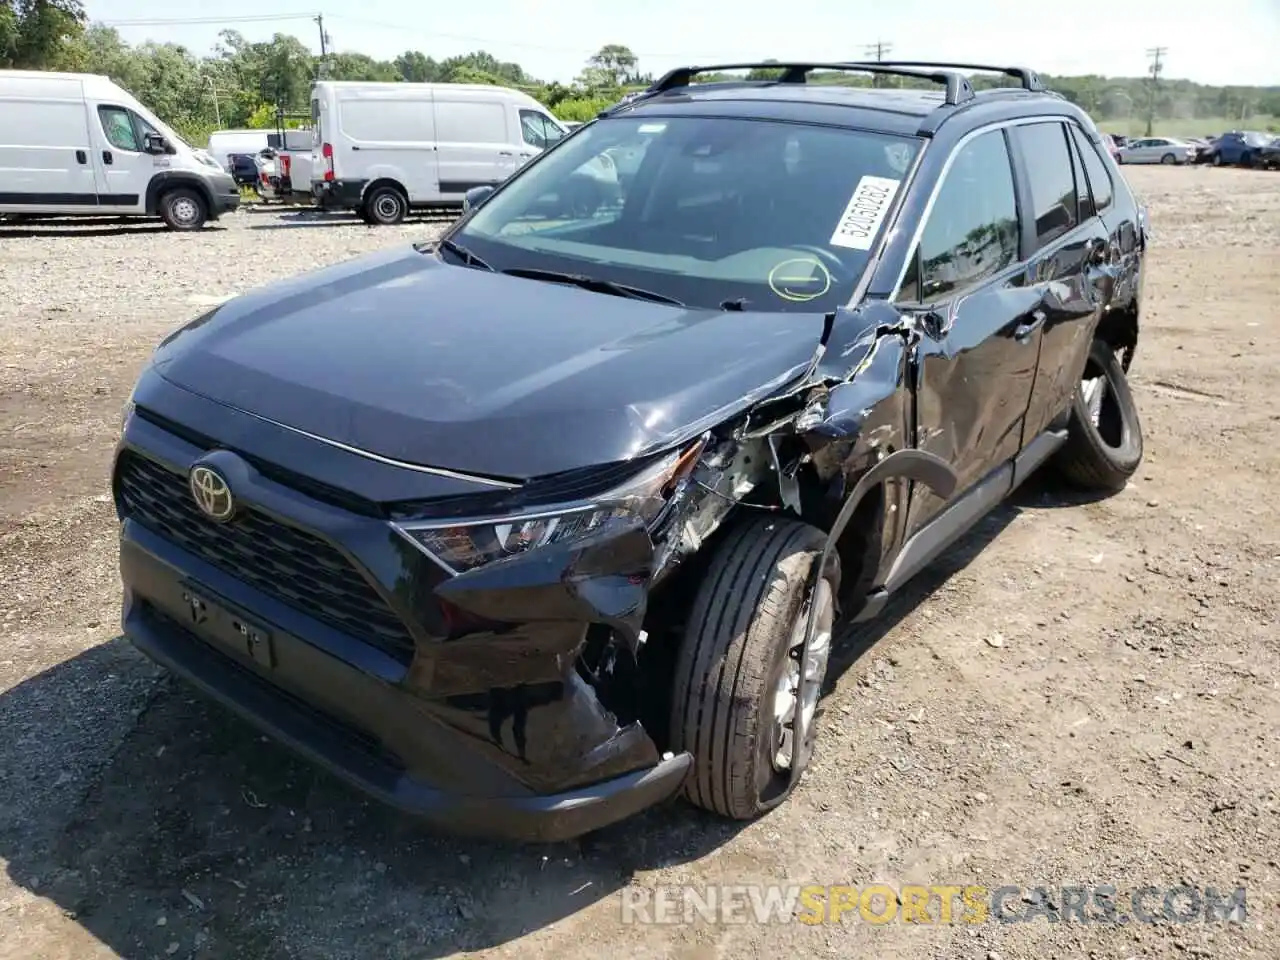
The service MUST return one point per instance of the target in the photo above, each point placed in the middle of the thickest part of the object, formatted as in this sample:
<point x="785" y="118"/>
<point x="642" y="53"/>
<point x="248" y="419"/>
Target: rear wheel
<point x="739" y="680"/>
<point x="183" y="209"/>
<point x="385" y="206"/>
<point x="1104" y="438"/>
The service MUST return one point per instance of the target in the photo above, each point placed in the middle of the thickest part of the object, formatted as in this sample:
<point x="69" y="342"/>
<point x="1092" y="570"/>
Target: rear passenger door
<point x="976" y="360"/>
<point x="1071" y="257"/>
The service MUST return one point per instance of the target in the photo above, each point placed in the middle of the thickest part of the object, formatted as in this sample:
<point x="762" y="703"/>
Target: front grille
<point x="294" y="567"/>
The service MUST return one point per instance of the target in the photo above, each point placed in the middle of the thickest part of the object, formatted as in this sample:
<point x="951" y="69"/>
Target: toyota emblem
<point x="211" y="493"/>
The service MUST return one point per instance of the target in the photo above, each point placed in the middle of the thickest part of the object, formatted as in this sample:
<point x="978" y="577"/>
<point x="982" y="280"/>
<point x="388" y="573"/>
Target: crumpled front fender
<point x="518" y="686"/>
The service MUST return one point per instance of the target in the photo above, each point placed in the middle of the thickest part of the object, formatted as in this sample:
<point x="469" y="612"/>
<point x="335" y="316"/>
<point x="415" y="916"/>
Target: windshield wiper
<point x="467" y="257"/>
<point x="593" y="283"/>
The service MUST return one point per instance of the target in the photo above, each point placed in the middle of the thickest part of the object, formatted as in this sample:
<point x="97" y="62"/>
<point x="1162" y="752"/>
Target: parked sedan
<point x="1156" y="150"/>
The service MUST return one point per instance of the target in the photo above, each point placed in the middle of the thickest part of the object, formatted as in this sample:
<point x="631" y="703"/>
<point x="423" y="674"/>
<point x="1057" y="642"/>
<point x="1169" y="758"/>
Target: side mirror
<point x="474" y="197"/>
<point x="154" y="143"/>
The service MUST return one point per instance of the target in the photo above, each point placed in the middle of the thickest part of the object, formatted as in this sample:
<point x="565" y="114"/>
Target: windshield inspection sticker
<point x="864" y="214"/>
<point x="800" y="279"/>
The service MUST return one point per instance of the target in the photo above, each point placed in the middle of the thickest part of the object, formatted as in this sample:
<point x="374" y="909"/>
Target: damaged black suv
<point x="538" y="525"/>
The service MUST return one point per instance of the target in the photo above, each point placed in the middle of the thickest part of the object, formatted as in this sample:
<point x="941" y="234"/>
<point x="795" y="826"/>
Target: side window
<point x="117" y="124"/>
<point x="972" y="231"/>
<point x="536" y="131"/>
<point x="1053" y="185"/>
<point x="1096" y="169"/>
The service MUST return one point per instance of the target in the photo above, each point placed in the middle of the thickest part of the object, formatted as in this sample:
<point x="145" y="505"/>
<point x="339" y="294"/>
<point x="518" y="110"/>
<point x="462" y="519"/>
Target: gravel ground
<point x="1082" y="693"/>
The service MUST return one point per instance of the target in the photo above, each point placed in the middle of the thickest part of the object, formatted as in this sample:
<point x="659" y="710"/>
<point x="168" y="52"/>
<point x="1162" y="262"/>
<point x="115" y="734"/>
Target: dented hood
<point x="401" y="355"/>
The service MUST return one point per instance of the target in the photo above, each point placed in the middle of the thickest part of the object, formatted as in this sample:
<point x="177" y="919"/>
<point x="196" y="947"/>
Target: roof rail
<point x="1029" y="79"/>
<point x="958" y="88"/>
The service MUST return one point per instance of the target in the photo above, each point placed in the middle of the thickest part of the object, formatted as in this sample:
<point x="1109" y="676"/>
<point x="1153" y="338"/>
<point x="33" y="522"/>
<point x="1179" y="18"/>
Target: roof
<point x="897" y="111"/>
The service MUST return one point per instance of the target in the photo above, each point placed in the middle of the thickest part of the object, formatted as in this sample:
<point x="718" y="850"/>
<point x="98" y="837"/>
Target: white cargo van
<point x="75" y="144"/>
<point x="382" y="148"/>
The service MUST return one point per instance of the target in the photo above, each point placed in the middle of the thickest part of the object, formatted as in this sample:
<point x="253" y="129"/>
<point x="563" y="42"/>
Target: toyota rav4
<point x="532" y="527"/>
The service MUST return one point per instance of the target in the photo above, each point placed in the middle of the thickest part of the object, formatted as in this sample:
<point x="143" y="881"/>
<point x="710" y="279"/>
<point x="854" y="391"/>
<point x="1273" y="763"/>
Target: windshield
<point x="701" y="210"/>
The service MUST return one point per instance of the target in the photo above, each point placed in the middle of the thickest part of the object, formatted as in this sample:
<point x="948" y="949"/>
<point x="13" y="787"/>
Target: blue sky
<point x="1223" y="41"/>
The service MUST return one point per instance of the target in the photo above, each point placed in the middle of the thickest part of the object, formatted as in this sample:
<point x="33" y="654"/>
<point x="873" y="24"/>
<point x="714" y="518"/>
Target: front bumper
<point x="293" y="722"/>
<point x="225" y="203"/>
<point x="489" y="730"/>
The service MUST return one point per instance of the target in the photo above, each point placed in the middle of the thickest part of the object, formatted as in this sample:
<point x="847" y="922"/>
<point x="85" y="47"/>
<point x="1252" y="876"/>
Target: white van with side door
<point x="383" y="148"/>
<point x="78" y="144"/>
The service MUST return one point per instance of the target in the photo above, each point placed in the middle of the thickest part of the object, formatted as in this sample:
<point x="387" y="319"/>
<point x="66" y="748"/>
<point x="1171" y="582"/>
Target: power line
<point x="230" y="19"/>
<point x="1153" y="83"/>
<point x="208" y="21"/>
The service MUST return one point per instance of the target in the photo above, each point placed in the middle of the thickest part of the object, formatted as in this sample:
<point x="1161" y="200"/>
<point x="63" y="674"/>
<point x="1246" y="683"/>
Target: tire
<point x="1105" y="454"/>
<point x="182" y="208"/>
<point x="736" y="651"/>
<point x="1217" y="159"/>
<point x="385" y="206"/>
<point x="1168" y="158"/>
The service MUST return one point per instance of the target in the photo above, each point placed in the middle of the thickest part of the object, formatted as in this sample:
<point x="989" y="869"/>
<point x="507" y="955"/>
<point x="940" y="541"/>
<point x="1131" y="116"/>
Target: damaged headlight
<point x="462" y="545"/>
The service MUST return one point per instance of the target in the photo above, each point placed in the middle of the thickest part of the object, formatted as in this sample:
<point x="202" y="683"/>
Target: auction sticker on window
<point x="864" y="214"/>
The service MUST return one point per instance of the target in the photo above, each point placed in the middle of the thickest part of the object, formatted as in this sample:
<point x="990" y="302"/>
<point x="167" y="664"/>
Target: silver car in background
<point x="1156" y="150"/>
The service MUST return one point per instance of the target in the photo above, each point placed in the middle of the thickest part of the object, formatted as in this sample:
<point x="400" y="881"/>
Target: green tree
<point x="614" y="61"/>
<point x="37" y="34"/>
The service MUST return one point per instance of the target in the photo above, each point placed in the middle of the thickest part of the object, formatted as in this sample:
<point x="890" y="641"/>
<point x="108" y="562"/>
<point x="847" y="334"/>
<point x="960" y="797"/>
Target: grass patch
<point x="1204" y="127"/>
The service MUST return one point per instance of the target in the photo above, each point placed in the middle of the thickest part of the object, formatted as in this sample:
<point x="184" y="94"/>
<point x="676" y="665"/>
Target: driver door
<point x="123" y="168"/>
<point x="976" y="360"/>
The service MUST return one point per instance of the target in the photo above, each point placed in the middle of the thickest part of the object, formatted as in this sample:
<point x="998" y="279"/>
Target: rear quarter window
<point x="1096" y="171"/>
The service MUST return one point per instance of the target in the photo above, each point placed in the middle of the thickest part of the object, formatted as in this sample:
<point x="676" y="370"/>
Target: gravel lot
<point x="1084" y="692"/>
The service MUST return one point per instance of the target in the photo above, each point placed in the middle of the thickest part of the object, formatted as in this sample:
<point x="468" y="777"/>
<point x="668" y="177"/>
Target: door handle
<point x="505" y="153"/>
<point x="355" y="146"/>
<point x="81" y="157"/>
<point x="1023" y="331"/>
<point x="106" y="157"/>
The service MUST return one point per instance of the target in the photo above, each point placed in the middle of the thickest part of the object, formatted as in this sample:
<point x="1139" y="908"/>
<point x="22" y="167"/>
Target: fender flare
<point x="165" y="179"/>
<point x="919" y="465"/>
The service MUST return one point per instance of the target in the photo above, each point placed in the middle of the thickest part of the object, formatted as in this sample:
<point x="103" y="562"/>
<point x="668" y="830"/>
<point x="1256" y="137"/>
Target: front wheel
<point x="183" y="209"/>
<point x="739" y="680"/>
<point x="1104" y="437"/>
<point x="1168" y="158"/>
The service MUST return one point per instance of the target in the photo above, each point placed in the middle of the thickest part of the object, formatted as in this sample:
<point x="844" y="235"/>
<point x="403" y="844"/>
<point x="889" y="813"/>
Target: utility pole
<point x="217" y="113"/>
<point x="324" y="46"/>
<point x="878" y="50"/>
<point x="1153" y="84"/>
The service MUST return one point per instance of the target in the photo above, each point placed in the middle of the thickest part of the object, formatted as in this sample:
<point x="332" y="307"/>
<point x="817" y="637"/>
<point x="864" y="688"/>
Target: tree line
<point x="250" y="84"/>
